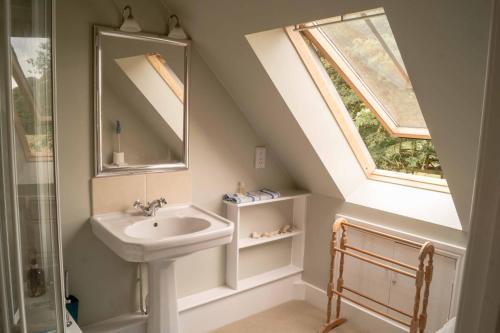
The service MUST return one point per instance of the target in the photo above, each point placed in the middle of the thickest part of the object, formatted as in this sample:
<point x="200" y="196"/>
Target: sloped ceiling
<point x="443" y="44"/>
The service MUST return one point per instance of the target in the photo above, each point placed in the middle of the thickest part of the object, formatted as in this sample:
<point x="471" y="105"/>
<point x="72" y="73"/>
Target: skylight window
<point x="356" y="65"/>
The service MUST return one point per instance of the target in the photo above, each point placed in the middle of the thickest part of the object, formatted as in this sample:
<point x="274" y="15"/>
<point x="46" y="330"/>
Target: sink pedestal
<point x="163" y="315"/>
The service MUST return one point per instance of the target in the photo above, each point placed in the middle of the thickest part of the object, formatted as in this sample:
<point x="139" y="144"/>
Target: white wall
<point x="480" y="298"/>
<point x="221" y="150"/>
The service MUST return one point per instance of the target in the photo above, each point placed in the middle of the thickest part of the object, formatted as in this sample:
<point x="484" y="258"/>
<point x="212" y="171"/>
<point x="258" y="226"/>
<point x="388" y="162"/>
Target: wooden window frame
<point x="167" y="74"/>
<point x="337" y="59"/>
<point x="341" y="115"/>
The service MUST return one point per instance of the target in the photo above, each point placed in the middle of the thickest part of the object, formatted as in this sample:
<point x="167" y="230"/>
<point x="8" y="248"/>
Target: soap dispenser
<point x="241" y="188"/>
<point x="36" y="280"/>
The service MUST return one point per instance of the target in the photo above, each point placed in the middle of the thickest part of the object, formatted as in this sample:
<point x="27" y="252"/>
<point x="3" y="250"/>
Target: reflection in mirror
<point x="142" y="104"/>
<point x="31" y="94"/>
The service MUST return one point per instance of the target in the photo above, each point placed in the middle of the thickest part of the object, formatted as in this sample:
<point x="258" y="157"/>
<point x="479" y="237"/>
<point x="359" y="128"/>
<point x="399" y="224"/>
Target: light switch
<point x="260" y="157"/>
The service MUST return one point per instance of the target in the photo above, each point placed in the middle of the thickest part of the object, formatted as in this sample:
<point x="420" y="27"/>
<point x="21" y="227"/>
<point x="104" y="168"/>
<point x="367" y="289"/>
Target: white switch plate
<point x="260" y="157"/>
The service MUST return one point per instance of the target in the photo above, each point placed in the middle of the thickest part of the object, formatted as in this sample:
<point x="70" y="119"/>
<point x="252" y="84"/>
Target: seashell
<point x="255" y="235"/>
<point x="267" y="234"/>
<point x="286" y="228"/>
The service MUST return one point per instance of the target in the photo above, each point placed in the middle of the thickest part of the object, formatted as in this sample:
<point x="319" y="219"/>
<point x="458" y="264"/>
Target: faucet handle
<point x="162" y="201"/>
<point x="137" y="204"/>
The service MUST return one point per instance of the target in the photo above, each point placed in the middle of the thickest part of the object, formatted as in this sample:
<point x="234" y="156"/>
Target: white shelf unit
<point x="298" y="201"/>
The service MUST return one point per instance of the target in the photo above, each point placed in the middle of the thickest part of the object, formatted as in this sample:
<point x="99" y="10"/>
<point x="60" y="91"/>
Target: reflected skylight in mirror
<point x="32" y="95"/>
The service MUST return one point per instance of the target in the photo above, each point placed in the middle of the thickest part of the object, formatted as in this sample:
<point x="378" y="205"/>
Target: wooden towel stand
<point x="423" y="274"/>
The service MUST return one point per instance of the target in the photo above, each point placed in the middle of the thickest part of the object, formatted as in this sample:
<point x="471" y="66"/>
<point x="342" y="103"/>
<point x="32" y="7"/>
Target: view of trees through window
<point x="412" y="156"/>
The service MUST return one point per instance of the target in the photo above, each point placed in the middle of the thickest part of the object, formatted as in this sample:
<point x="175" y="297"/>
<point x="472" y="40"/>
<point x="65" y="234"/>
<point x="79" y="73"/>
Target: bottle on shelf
<point x="36" y="280"/>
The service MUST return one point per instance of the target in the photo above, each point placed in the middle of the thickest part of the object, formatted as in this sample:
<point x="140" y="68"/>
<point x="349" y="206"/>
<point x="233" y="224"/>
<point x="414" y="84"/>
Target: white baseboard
<point x="127" y="323"/>
<point x="216" y="314"/>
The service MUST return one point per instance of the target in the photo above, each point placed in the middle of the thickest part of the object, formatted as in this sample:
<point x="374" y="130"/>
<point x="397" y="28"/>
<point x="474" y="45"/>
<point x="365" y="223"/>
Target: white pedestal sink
<point x="175" y="231"/>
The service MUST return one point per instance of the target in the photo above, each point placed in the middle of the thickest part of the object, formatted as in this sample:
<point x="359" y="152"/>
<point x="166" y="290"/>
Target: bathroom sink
<point x="175" y="231"/>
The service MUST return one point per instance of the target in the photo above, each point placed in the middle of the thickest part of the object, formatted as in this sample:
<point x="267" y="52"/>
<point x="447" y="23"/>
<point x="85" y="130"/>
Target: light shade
<point x="176" y="31"/>
<point x="129" y="24"/>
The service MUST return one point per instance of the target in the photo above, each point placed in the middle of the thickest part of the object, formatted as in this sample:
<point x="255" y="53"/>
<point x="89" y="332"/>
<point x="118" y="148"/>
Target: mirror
<point x="141" y="102"/>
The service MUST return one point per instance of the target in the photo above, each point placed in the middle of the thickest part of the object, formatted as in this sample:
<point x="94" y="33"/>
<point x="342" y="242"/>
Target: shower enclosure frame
<point x="9" y="204"/>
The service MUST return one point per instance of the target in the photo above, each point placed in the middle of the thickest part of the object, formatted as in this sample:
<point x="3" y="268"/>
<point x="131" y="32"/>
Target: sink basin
<point x="158" y="228"/>
<point x="175" y="231"/>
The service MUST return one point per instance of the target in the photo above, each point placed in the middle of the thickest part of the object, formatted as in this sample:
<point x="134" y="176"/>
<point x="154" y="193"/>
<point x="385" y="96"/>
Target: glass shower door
<point x="31" y="298"/>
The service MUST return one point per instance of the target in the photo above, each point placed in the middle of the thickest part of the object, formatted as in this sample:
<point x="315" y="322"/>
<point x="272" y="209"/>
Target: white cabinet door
<point x="402" y="290"/>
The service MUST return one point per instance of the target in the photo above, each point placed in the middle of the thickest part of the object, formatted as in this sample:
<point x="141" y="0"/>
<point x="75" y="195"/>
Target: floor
<point x="290" y="317"/>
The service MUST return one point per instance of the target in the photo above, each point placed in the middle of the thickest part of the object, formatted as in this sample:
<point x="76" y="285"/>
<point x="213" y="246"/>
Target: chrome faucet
<point x="151" y="207"/>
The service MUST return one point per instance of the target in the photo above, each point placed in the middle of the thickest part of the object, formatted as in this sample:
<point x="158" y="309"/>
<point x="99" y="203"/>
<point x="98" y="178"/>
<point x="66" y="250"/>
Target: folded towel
<point x="259" y="195"/>
<point x="263" y="194"/>
<point x="237" y="198"/>
<point x="274" y="194"/>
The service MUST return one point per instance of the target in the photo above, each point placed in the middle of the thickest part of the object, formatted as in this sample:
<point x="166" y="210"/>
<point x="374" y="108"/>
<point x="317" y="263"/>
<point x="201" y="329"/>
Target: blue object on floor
<point x="72" y="307"/>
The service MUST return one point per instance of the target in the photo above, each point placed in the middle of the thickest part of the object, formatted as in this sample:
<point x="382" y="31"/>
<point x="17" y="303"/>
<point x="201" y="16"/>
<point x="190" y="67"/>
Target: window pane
<point x="410" y="156"/>
<point x="369" y="47"/>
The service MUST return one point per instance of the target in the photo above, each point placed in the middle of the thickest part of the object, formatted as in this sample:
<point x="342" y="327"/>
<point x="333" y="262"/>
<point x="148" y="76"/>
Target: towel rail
<point x="383" y="234"/>
<point x="422" y="276"/>
<point x="378" y="302"/>
<point x="376" y="263"/>
<point x="399" y="263"/>
<point x="371" y="309"/>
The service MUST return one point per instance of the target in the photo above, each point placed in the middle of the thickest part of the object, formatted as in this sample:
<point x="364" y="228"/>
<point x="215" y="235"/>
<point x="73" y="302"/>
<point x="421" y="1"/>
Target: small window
<point x="356" y="64"/>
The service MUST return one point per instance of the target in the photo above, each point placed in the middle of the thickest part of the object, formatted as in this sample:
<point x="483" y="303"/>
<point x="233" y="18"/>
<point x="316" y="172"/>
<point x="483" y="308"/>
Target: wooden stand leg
<point x="340" y="280"/>
<point x="329" y="325"/>
<point x="416" y="304"/>
<point x="428" y="278"/>
<point x="415" y="325"/>
<point x="329" y="291"/>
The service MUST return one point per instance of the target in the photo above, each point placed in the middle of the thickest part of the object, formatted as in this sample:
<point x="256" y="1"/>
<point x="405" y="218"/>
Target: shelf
<point x="285" y="195"/>
<point x="297" y="206"/>
<point x="249" y="242"/>
<point x="275" y="274"/>
<point x="211" y="295"/>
